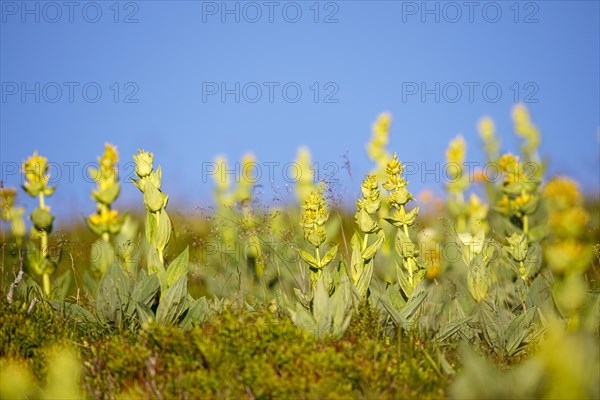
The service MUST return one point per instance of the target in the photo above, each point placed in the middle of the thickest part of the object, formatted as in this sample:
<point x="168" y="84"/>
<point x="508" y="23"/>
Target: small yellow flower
<point x="455" y="154"/>
<point x="104" y="218"/>
<point x="379" y="140"/>
<point x="503" y="202"/>
<point x="522" y="200"/>
<point x="7" y="199"/>
<point x="110" y="156"/>
<point x="520" y="114"/>
<point x="35" y="168"/>
<point x="563" y="192"/>
<point x="370" y="183"/>
<point x="394" y="167"/>
<point x="433" y="268"/>
<point x="305" y="183"/>
<point x="486" y="128"/>
<point x="508" y="162"/>
<point x="571" y="222"/>
<point x="476" y="207"/>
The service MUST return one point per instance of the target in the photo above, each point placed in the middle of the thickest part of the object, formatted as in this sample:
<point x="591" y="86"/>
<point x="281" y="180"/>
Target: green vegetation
<point x="477" y="299"/>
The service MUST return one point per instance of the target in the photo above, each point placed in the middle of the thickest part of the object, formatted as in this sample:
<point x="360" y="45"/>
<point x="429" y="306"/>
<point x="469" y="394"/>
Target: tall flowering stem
<point x="35" y="169"/>
<point x="518" y="203"/>
<point x="314" y="217"/>
<point x="366" y="218"/>
<point x="413" y="271"/>
<point x="105" y="222"/>
<point x="158" y="223"/>
<point x="458" y="182"/>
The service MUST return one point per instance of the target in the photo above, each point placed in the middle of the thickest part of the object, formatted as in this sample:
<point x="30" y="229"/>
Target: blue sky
<point x="150" y="74"/>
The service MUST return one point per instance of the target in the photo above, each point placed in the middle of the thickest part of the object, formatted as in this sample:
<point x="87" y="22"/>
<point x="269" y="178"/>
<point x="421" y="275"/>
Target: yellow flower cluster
<point x="563" y="193"/>
<point x="106" y="221"/>
<point x="567" y="251"/>
<point x="396" y="184"/>
<point x="525" y="129"/>
<point x="35" y="169"/>
<point x="305" y="183"/>
<point x="456" y="151"/>
<point x="12" y="214"/>
<point x="367" y="207"/>
<point x="314" y="217"/>
<point x="7" y="201"/>
<point x="108" y="173"/>
<point x="377" y="147"/>
<point x="487" y="132"/>
<point x="511" y="168"/>
<point x="519" y="190"/>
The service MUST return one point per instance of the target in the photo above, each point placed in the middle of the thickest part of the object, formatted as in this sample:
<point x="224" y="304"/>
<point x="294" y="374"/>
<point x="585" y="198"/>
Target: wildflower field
<point x="490" y="292"/>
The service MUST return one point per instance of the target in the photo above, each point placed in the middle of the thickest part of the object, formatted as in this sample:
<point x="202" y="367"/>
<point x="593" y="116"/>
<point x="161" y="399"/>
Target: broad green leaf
<point x="178" y="267"/>
<point x="144" y="313"/>
<point x="412" y="306"/>
<point x="372" y="249"/>
<point x="172" y="303"/>
<point x="163" y="231"/>
<point x="155" y="265"/>
<point x="304" y="299"/>
<point x="309" y="259"/>
<point x="146" y="290"/>
<point x="364" y="280"/>
<point x="196" y="314"/>
<point x="356" y="261"/>
<point x="449" y="329"/>
<point x="329" y="256"/>
<point x="517" y="331"/>
<point x="113" y="295"/>
<point x="321" y="304"/>
<point x="103" y="255"/>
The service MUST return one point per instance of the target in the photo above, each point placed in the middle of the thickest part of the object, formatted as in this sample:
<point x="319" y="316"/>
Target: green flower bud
<point x="42" y="219"/>
<point x="154" y="200"/>
<point x="365" y="222"/>
<point x="143" y="163"/>
<point x="518" y="246"/>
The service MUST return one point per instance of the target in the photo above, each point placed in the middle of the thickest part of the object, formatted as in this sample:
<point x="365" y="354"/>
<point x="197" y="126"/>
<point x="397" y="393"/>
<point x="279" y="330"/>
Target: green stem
<point x="44" y="248"/>
<point x="404" y="226"/>
<point x="159" y="251"/>
<point x="46" y="281"/>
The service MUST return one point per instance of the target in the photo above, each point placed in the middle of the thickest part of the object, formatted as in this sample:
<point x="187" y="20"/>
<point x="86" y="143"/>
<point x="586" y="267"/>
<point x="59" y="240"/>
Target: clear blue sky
<point x="364" y="54"/>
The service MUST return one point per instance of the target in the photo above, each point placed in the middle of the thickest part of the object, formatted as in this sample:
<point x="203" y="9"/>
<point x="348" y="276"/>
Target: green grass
<point x="236" y="353"/>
